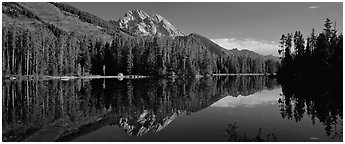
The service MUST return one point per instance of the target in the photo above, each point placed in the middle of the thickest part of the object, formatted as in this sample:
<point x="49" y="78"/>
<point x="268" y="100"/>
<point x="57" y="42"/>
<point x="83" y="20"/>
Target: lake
<point x="223" y="108"/>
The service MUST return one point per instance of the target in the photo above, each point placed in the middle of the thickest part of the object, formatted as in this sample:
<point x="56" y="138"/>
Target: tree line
<point x="40" y="52"/>
<point x="316" y="55"/>
<point x="48" y="52"/>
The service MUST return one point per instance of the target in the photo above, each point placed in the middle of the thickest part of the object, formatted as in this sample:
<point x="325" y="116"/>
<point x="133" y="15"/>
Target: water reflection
<point x="234" y="136"/>
<point x="318" y="98"/>
<point x="137" y="106"/>
<point x="70" y="109"/>
<point x="264" y="97"/>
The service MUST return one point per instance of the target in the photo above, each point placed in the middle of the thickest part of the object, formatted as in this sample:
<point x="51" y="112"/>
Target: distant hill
<point x="272" y="57"/>
<point x="253" y="54"/>
<point x="213" y="47"/>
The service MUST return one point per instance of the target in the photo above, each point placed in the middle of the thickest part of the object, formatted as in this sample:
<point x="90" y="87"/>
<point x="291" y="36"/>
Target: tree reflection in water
<point x="234" y="136"/>
<point x="320" y="98"/>
<point x="137" y="106"/>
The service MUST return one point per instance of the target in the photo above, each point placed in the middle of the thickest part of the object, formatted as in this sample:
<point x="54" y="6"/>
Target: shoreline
<point x="66" y="78"/>
<point x="245" y="74"/>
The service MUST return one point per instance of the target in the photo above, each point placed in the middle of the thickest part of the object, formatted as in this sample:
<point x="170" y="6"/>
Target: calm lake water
<point x="226" y="108"/>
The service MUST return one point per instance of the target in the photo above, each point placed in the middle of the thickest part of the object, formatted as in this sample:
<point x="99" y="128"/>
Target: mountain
<point x="58" y="39"/>
<point x="143" y="24"/>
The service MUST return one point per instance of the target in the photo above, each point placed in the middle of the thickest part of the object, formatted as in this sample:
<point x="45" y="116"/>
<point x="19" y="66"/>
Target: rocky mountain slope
<point x="143" y="24"/>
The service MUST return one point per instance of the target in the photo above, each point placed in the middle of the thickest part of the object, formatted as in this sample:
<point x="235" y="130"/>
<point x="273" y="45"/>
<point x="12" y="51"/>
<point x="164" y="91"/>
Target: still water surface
<point x="231" y="108"/>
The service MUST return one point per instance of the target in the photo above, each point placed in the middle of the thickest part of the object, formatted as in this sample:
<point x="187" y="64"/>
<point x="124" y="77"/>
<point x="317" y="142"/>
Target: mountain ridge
<point x="143" y="24"/>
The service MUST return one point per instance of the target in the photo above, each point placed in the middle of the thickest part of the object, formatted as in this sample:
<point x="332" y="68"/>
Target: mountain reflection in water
<point x="75" y="108"/>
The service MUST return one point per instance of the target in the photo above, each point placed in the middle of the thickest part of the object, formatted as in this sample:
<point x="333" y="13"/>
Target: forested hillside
<point x="58" y="39"/>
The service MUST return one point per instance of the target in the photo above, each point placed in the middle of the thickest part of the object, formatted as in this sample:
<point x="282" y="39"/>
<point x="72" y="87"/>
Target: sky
<point x="255" y="26"/>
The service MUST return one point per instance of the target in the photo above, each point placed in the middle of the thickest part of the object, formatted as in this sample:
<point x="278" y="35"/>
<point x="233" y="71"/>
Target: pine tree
<point x="299" y="44"/>
<point x="129" y="61"/>
<point x="161" y="61"/>
<point x="119" y="57"/>
<point x="327" y="30"/>
<point x="307" y="49"/>
<point x="312" y="41"/>
<point x="107" y="60"/>
<point x="287" y="51"/>
<point x="282" y="45"/>
<point x="322" y="50"/>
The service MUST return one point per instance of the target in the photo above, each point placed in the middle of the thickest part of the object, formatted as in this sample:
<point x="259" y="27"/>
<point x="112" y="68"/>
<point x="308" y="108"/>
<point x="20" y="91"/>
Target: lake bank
<point x="32" y="77"/>
<point x="244" y="74"/>
<point x="66" y="78"/>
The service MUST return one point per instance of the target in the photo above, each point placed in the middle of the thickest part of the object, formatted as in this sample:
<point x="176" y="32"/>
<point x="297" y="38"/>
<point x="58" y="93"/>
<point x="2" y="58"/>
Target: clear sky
<point x="251" y="25"/>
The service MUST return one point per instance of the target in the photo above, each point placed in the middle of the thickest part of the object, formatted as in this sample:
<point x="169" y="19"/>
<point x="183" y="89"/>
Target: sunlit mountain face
<point x="143" y="24"/>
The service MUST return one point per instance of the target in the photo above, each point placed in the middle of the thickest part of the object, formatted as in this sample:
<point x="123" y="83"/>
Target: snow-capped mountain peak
<point x="143" y="24"/>
<point x="137" y="14"/>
